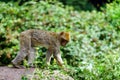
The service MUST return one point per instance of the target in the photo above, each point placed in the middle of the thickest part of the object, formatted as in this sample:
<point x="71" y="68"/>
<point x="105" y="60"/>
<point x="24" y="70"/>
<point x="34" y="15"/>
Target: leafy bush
<point x="92" y="53"/>
<point x="113" y="13"/>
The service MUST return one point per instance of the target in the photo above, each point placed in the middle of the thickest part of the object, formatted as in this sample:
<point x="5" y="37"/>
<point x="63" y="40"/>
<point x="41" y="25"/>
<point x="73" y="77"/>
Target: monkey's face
<point x="64" y="38"/>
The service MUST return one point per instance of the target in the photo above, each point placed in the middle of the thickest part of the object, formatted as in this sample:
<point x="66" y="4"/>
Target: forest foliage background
<point x="92" y="53"/>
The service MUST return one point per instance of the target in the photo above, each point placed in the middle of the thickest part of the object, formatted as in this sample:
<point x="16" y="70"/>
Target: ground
<point x="7" y="73"/>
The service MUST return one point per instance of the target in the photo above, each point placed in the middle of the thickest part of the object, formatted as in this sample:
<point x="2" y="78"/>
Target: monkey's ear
<point x="65" y="35"/>
<point x="61" y="33"/>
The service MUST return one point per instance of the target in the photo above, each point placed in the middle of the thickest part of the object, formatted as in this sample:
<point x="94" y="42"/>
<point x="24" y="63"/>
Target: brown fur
<point x="32" y="38"/>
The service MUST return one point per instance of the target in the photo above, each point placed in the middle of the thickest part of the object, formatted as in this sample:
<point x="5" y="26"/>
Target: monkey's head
<point x="64" y="38"/>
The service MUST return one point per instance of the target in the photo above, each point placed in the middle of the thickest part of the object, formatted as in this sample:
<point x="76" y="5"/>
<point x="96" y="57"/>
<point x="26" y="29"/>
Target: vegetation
<point x="93" y="52"/>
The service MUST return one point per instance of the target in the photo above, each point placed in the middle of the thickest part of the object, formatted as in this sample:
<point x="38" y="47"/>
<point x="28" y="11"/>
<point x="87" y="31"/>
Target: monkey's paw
<point x="18" y="66"/>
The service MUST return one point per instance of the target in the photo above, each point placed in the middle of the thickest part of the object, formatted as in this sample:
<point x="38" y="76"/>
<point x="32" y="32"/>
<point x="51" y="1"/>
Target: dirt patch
<point x="7" y="73"/>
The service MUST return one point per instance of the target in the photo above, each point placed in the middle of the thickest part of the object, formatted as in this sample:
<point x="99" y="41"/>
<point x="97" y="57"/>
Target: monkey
<point x="32" y="38"/>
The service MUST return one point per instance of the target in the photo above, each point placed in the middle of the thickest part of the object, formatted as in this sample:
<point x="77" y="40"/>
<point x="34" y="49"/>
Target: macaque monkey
<point x="32" y="38"/>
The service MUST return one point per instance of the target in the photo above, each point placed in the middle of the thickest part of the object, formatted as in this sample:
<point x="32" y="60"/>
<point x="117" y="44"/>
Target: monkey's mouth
<point x="64" y="42"/>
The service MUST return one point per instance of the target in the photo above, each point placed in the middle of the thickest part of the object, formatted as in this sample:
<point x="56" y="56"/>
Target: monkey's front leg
<point x="58" y="58"/>
<point x="48" y="56"/>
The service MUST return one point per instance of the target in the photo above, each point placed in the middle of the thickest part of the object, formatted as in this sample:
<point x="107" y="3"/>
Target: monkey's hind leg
<point x="24" y="48"/>
<point x="16" y="61"/>
<point x="31" y="57"/>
